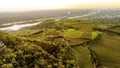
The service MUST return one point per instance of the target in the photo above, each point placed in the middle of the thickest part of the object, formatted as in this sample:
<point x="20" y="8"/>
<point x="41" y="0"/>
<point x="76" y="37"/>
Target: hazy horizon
<point x="31" y="5"/>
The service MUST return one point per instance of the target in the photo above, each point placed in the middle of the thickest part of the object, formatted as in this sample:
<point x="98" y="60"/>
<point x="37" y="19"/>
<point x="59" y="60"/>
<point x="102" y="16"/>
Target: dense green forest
<point x="64" y="43"/>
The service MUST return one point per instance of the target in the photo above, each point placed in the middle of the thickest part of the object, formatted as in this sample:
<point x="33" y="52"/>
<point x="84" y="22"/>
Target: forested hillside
<point x="64" y="43"/>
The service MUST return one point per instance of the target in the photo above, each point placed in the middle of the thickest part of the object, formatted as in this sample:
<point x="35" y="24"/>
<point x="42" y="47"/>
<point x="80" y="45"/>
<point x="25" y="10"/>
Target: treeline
<point x="109" y="30"/>
<point x="21" y="52"/>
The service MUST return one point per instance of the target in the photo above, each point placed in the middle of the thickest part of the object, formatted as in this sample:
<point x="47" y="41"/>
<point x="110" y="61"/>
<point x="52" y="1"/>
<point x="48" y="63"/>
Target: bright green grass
<point x="94" y="34"/>
<point x="82" y="56"/>
<point x="72" y="33"/>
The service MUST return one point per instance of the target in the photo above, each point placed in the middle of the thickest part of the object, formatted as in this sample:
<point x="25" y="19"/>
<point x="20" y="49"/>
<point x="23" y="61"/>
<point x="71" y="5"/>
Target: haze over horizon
<point x="28" y="5"/>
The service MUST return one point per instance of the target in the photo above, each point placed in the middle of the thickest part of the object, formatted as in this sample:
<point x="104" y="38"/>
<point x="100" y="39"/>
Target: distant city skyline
<point x="26" y="5"/>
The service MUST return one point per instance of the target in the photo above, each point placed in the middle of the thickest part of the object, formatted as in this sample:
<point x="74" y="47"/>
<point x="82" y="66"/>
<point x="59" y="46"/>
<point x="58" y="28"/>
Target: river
<point x="17" y="27"/>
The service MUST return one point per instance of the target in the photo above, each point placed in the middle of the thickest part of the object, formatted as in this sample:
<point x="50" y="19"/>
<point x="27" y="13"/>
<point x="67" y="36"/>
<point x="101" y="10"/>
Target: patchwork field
<point x="65" y="43"/>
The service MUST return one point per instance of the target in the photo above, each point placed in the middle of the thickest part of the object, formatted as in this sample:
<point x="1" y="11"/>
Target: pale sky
<point x="25" y="5"/>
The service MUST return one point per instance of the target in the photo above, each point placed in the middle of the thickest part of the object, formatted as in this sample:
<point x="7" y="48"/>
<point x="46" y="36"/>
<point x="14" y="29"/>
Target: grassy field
<point x="82" y="56"/>
<point x="67" y="43"/>
<point x="107" y="51"/>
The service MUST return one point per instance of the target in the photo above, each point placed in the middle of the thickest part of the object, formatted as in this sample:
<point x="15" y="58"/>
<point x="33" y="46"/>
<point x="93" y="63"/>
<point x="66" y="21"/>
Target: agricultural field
<point x="64" y="43"/>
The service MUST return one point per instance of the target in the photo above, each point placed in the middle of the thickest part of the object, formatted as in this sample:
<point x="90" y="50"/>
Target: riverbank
<point x="17" y="27"/>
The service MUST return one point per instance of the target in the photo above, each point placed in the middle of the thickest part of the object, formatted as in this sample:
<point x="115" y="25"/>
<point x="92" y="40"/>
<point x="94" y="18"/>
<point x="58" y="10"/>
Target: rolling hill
<point x="64" y="43"/>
